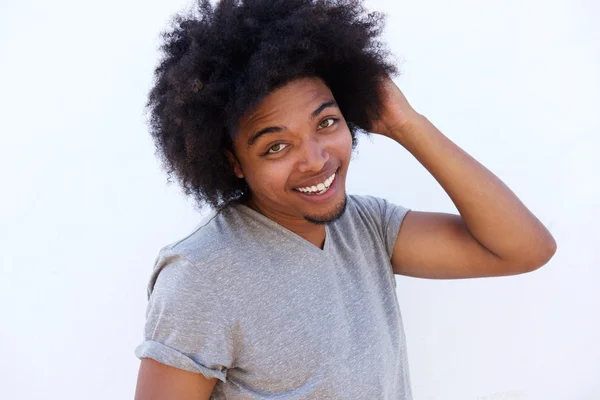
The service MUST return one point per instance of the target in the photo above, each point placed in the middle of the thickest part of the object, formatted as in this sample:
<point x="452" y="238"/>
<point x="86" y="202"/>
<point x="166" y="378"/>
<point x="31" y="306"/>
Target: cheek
<point x="343" y="143"/>
<point x="269" y="178"/>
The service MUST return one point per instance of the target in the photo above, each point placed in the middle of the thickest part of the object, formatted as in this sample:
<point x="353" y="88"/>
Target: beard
<point x="332" y="216"/>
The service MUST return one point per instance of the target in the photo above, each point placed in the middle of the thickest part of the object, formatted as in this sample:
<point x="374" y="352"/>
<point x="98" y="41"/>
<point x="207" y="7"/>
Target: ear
<point x="235" y="164"/>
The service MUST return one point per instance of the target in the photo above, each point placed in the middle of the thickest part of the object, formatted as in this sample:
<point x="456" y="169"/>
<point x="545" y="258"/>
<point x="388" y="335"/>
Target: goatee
<point x="330" y="217"/>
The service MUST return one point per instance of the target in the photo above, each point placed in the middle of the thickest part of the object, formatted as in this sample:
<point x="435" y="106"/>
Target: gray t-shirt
<point x="269" y="314"/>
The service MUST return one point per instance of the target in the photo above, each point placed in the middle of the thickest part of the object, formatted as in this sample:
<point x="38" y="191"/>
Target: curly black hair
<point x="218" y="62"/>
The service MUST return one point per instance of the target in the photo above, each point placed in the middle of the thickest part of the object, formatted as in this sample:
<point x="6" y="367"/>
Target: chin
<point x="334" y="214"/>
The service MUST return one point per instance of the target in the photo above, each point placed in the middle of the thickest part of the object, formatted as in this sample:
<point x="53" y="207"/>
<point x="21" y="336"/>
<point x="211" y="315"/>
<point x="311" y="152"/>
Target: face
<point x="294" y="150"/>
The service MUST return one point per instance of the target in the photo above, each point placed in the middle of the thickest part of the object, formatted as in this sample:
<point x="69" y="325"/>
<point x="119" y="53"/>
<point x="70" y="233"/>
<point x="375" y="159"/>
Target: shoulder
<point x="208" y="238"/>
<point x="373" y="209"/>
<point x="198" y="258"/>
<point x="365" y="203"/>
<point x="215" y="237"/>
<point x="372" y="219"/>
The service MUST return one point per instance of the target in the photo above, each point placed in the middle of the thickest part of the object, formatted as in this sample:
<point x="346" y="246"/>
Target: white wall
<point x="85" y="206"/>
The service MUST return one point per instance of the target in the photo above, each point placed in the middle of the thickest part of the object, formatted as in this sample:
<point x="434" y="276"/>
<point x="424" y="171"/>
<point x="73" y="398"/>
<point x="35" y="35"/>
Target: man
<point x="288" y="290"/>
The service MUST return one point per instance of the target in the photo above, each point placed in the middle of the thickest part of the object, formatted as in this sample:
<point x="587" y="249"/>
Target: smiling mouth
<point x="320" y="188"/>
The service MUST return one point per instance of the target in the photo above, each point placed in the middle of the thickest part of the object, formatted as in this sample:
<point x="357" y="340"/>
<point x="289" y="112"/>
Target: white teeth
<point x="320" y="188"/>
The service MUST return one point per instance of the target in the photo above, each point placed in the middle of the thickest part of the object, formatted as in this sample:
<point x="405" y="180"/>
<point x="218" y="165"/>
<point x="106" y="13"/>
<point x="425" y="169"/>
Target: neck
<point x="313" y="233"/>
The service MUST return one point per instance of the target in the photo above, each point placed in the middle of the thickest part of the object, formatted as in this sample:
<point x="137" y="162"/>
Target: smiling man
<point x="287" y="290"/>
<point x="293" y="150"/>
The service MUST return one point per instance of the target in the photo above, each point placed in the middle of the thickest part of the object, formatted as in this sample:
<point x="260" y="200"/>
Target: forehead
<point x="296" y="99"/>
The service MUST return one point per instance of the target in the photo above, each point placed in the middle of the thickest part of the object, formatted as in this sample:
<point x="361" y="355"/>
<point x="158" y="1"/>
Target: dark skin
<point x="494" y="235"/>
<point x="307" y="140"/>
<point x="309" y="147"/>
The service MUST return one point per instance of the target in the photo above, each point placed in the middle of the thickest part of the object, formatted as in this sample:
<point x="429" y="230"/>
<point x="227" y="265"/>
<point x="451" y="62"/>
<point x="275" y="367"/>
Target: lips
<point x="320" y="189"/>
<point x="319" y="184"/>
<point x="323" y="196"/>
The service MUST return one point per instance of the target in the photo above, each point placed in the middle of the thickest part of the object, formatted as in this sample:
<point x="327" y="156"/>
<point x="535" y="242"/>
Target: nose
<point x="315" y="156"/>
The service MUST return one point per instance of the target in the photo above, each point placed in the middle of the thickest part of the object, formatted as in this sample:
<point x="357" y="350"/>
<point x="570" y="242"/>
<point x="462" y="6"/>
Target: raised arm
<point x="495" y="234"/>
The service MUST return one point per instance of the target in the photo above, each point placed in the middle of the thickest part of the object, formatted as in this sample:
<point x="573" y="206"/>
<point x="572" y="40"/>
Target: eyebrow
<point x="274" y="129"/>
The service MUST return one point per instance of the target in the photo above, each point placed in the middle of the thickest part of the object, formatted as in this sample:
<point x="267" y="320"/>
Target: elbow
<point x="531" y="258"/>
<point x="542" y="256"/>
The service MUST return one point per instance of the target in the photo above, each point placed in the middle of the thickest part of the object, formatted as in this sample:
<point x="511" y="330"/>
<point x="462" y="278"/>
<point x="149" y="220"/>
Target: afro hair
<point x="218" y="62"/>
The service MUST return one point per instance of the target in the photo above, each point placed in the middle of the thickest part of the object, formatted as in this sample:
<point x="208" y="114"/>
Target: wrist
<point x="414" y="124"/>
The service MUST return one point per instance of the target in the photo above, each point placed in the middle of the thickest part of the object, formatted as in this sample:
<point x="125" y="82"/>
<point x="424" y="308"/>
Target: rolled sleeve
<point x="187" y="325"/>
<point x="174" y="358"/>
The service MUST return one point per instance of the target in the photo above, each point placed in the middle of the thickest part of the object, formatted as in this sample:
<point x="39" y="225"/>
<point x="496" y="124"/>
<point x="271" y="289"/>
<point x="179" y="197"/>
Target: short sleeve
<point x="392" y="216"/>
<point x="186" y="326"/>
<point x="387" y="217"/>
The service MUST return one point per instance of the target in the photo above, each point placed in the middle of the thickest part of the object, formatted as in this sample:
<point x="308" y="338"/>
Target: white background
<point x="85" y="206"/>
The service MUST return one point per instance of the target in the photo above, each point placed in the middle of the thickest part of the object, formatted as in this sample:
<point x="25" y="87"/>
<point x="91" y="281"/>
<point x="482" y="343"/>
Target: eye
<point x="328" y="122"/>
<point x="276" y="148"/>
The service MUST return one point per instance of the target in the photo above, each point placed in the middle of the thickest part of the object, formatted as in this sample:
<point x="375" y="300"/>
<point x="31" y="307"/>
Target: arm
<point x="158" y="381"/>
<point x="494" y="235"/>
